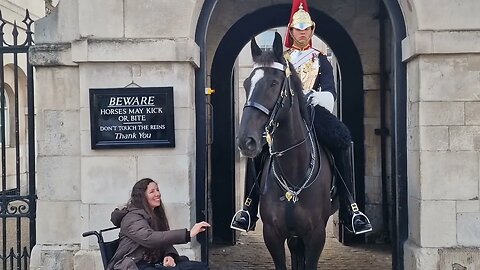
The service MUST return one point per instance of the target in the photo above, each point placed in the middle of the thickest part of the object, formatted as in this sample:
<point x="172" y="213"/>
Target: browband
<point x="275" y="65"/>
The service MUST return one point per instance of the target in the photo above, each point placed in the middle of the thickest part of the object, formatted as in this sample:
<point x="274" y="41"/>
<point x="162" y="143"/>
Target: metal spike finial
<point x="28" y="20"/>
<point x="15" y="30"/>
<point x="28" y="23"/>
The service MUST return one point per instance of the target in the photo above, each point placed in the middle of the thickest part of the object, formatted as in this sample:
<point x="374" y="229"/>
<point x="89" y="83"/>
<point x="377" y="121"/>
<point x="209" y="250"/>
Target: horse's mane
<point x="298" y="88"/>
<point x="267" y="58"/>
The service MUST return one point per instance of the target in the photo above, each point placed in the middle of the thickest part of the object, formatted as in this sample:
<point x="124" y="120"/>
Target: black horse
<point x="296" y="178"/>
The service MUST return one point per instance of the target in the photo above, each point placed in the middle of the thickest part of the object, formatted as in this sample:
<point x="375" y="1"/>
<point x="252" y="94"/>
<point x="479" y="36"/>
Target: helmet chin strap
<point x="298" y="42"/>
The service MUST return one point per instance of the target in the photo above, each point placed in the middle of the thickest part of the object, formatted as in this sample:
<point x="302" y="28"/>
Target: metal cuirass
<point x="307" y="65"/>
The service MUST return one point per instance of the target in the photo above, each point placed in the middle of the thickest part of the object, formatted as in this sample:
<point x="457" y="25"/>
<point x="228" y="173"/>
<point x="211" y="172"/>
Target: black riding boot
<point x="245" y="219"/>
<point x="351" y="217"/>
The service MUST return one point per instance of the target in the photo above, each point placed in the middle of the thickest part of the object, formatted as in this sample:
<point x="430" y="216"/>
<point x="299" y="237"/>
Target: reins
<point x="291" y="191"/>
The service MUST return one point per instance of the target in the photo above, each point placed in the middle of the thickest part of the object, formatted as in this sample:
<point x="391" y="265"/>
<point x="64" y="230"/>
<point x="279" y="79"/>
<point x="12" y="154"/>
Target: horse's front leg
<point x="276" y="246"/>
<point x="314" y="244"/>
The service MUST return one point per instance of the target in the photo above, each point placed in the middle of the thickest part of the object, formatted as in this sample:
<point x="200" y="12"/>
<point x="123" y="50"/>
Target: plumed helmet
<point x="299" y="19"/>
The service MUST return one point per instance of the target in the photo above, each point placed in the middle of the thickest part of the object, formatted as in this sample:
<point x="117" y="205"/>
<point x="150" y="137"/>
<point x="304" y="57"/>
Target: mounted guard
<point x="316" y="74"/>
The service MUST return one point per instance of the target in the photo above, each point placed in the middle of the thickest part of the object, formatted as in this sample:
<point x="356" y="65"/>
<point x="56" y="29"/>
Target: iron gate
<point x="17" y="191"/>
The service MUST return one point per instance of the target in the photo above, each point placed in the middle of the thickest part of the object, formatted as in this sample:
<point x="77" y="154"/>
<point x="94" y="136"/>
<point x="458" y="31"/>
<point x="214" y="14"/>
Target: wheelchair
<point x="107" y="249"/>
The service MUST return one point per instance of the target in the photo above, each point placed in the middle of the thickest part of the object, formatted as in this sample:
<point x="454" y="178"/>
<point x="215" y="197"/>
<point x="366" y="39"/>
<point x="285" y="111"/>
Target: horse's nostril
<point x="250" y="143"/>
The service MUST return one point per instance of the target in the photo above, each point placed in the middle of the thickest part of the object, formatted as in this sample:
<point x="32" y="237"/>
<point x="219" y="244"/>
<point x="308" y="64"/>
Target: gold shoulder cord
<point x="287" y="56"/>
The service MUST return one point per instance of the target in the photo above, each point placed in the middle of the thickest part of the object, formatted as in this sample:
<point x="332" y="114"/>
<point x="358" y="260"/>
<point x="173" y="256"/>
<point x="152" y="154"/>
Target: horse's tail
<point x="297" y="251"/>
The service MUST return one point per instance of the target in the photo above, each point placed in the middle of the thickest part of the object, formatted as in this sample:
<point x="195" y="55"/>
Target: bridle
<point x="291" y="191"/>
<point x="280" y="103"/>
<point x="280" y="99"/>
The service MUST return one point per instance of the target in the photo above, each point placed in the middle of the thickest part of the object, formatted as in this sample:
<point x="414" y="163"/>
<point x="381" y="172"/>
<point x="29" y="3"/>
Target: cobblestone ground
<point x="251" y="253"/>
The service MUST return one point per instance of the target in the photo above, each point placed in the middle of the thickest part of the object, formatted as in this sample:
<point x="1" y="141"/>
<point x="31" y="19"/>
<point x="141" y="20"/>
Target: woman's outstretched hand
<point x="168" y="261"/>
<point x="198" y="228"/>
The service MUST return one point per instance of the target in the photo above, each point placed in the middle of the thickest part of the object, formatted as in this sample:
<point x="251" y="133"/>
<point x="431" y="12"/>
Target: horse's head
<point x="266" y="93"/>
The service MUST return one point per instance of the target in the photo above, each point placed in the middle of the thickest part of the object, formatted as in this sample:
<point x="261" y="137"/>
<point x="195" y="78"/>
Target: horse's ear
<point x="256" y="51"/>
<point x="278" y="46"/>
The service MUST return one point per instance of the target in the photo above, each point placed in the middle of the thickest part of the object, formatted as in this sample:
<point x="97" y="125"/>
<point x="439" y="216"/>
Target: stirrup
<point x="239" y="212"/>
<point x="359" y="213"/>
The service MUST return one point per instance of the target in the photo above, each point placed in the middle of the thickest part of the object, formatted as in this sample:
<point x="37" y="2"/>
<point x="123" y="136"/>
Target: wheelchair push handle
<point x="98" y="234"/>
<point x="89" y="233"/>
<point x="86" y="234"/>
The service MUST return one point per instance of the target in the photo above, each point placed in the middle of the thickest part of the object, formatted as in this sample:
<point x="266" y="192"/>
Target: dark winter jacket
<point x="137" y="237"/>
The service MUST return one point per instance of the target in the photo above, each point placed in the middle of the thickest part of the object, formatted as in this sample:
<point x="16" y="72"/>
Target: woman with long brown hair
<point x="146" y="241"/>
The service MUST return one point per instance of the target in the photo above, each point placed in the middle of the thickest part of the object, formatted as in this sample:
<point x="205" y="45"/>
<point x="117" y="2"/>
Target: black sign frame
<point x="136" y="117"/>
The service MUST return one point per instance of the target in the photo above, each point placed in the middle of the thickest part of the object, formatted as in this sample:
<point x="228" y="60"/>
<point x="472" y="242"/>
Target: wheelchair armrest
<point x="108" y="229"/>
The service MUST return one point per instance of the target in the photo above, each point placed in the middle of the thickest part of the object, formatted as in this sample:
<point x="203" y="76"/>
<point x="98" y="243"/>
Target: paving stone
<point x="250" y="252"/>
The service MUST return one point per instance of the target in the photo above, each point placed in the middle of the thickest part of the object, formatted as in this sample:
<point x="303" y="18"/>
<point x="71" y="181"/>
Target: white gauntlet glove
<point x="322" y="98"/>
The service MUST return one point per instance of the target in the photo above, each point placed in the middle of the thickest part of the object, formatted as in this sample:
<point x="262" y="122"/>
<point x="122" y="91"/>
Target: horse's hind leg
<point x="275" y="245"/>
<point x="313" y="248"/>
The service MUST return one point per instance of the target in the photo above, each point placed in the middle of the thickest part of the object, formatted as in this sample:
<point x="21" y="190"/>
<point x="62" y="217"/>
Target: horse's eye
<point x="273" y="83"/>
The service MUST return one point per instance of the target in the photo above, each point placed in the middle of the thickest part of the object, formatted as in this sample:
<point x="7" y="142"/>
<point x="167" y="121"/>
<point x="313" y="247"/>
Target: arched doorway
<point x="222" y="81"/>
<point x="222" y="153"/>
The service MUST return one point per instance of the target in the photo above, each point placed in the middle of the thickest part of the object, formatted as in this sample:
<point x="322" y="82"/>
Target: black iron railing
<point x="17" y="192"/>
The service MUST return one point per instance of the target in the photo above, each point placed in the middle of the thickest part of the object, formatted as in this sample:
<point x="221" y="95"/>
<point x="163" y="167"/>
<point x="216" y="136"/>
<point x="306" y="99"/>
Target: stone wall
<point x="443" y="61"/>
